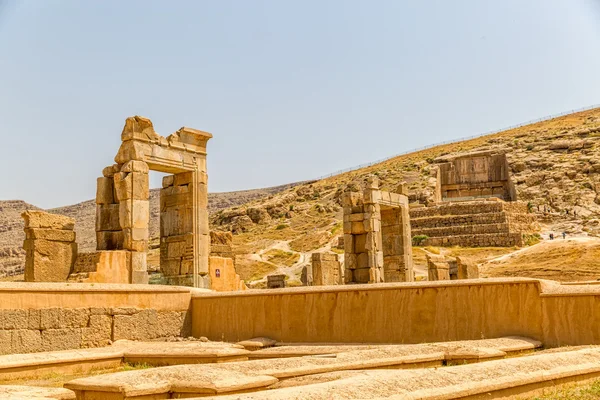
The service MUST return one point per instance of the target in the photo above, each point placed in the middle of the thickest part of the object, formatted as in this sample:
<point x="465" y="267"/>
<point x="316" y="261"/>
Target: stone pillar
<point x="201" y="229"/>
<point x="132" y="192"/>
<point x="437" y="268"/>
<point x="326" y="269"/>
<point x="50" y="246"/>
<point x="372" y="226"/>
<point x="467" y="269"/>
<point x="109" y="235"/>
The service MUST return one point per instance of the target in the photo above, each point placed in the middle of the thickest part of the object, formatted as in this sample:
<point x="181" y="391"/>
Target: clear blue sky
<point x="291" y="90"/>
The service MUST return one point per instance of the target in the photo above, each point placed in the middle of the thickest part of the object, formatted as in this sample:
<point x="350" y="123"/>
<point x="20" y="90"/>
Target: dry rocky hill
<point x="12" y="255"/>
<point x="554" y="164"/>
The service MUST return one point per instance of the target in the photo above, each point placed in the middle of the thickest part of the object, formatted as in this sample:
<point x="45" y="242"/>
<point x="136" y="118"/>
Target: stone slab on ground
<point x="14" y="366"/>
<point x="396" y="356"/>
<point x="14" y="392"/>
<point x="509" y="345"/>
<point x="494" y="379"/>
<point x="173" y="380"/>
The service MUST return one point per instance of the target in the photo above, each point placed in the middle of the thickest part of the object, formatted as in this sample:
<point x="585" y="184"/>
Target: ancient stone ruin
<point x="443" y="268"/>
<point x="276" y="281"/>
<point x="483" y="223"/>
<point x="326" y="269"/>
<point x="50" y="246"/>
<point x="474" y="175"/>
<point x="377" y="237"/>
<point x="475" y="205"/>
<point x="122" y="216"/>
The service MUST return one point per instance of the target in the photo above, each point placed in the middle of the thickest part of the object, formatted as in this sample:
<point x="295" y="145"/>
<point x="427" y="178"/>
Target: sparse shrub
<point x="532" y="239"/>
<point x="529" y="206"/>
<point x="281" y="226"/>
<point x="291" y="207"/>
<point x="530" y="147"/>
<point x="419" y="239"/>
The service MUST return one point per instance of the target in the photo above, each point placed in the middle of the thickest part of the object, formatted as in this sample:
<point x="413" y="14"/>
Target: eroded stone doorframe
<point x="199" y="232"/>
<point x="377" y="235"/>
<point x="122" y="198"/>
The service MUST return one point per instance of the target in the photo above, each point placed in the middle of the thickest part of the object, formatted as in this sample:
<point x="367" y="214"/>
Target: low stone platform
<point x="490" y="380"/>
<point x="480" y="223"/>
<point x="261" y="373"/>
<point x="18" y="366"/>
<point x="14" y="392"/>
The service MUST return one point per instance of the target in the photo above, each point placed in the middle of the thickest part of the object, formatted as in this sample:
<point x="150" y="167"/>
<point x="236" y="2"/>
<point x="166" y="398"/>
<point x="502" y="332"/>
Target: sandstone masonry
<point x="49" y="245"/>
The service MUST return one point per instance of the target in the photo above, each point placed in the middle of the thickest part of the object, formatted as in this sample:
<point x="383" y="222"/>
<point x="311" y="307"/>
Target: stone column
<point x="109" y="235"/>
<point x="201" y="229"/>
<point x="132" y="191"/>
<point x="326" y="269"/>
<point x="372" y="225"/>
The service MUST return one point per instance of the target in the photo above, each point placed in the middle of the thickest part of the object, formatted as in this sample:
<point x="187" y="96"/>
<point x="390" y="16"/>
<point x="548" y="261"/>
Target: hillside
<point x="12" y="256"/>
<point x="554" y="163"/>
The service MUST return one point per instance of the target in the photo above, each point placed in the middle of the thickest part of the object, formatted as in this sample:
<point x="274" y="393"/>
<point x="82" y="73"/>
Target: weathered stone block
<point x="362" y="275"/>
<point x="98" y="333"/>
<point x="111" y="170"/>
<point x="132" y="150"/>
<point x="135" y="166"/>
<point x="467" y="269"/>
<point x="73" y="317"/>
<point x="26" y="341"/>
<point x="348" y="244"/>
<point x="362" y="261"/>
<point x="5" y="342"/>
<point x="109" y="240"/>
<point x="50" y="318"/>
<point x="50" y="234"/>
<point x="34" y="319"/>
<point x="105" y="190"/>
<point x="140" y="326"/>
<point x="360" y="243"/>
<point x="168" y="181"/>
<point x="135" y="239"/>
<point x="350" y="261"/>
<point x="41" y="219"/>
<point x="14" y="319"/>
<point x="107" y="217"/>
<point x="131" y="185"/>
<point x="139" y="277"/>
<point x="358" y="228"/>
<point x="61" y="339"/>
<point x="134" y="214"/>
<point x="49" y="261"/>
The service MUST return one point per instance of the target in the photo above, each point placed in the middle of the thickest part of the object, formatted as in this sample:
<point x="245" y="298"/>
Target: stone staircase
<point x="482" y="223"/>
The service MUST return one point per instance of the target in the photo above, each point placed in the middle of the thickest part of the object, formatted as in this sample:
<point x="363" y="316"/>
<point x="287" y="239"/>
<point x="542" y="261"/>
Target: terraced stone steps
<point x="479" y="240"/>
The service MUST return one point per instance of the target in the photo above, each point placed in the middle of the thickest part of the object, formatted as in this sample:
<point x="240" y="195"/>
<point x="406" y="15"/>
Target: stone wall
<point x="50" y="247"/>
<point x="474" y="223"/>
<point x="416" y="312"/>
<point x="50" y="329"/>
<point x="555" y="314"/>
<point x="58" y="316"/>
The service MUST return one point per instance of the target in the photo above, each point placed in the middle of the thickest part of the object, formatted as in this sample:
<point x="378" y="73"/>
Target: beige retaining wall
<point x="384" y="313"/>
<point x="405" y="312"/>
<point x="45" y="317"/>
